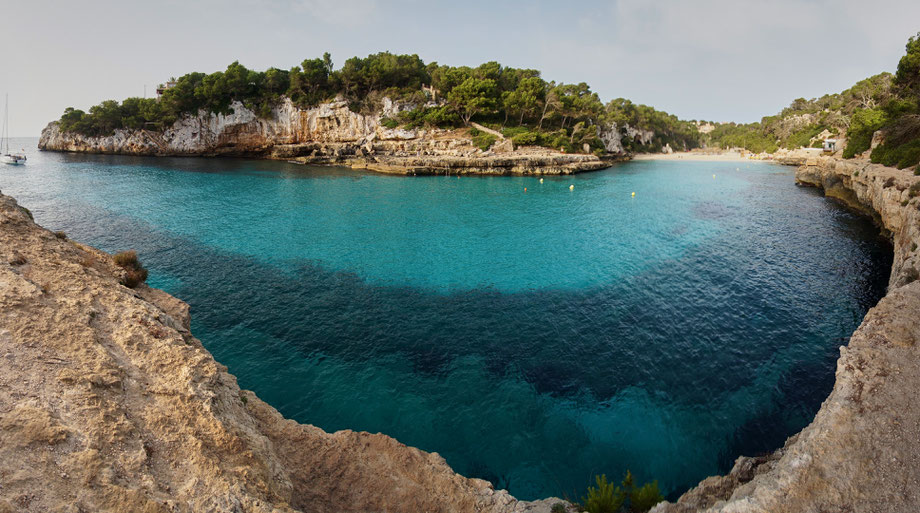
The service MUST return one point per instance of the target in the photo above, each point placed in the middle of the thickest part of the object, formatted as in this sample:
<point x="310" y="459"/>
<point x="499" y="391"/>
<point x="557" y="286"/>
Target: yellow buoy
<point x="634" y="195"/>
<point x="541" y="180"/>
<point x="713" y="176"/>
<point x="571" y="187"/>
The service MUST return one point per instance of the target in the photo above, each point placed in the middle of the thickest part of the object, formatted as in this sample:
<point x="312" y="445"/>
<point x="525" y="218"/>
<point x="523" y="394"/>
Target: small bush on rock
<point x="60" y="235"/>
<point x="914" y="190"/>
<point x="607" y="498"/>
<point x="135" y="273"/>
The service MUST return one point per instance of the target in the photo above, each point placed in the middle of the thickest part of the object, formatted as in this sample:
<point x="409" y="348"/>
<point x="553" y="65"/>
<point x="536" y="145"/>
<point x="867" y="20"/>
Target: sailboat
<point x="15" y="159"/>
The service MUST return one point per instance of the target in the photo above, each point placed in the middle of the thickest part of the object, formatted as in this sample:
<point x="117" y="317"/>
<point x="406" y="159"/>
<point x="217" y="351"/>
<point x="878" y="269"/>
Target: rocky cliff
<point x="328" y="134"/>
<point x="862" y="451"/>
<point x="109" y="403"/>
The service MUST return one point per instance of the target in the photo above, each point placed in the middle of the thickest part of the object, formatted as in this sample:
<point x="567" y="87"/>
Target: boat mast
<point x="6" y="123"/>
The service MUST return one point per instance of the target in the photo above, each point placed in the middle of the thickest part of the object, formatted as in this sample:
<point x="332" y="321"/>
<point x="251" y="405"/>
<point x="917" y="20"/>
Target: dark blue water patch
<point x="532" y="340"/>
<point x="584" y="349"/>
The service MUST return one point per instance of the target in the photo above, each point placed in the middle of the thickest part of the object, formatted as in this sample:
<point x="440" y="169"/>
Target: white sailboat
<point x="15" y="159"/>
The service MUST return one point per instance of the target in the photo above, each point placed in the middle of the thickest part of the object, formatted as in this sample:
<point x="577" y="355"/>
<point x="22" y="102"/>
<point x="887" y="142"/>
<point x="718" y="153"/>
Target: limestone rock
<point x="862" y="451"/>
<point x="109" y="404"/>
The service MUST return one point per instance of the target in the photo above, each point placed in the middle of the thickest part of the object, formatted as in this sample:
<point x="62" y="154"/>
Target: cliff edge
<point x="862" y="451"/>
<point x="329" y="134"/>
<point x="108" y="403"/>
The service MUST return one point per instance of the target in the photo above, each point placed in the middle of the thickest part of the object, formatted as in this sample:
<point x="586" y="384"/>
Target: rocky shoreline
<point x="331" y="134"/>
<point x="109" y="403"/>
<point x="862" y="451"/>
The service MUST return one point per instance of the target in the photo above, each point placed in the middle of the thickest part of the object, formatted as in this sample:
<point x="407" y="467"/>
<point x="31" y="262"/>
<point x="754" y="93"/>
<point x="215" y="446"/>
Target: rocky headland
<point x="332" y="134"/>
<point x="109" y="403"/>
<point x="862" y="451"/>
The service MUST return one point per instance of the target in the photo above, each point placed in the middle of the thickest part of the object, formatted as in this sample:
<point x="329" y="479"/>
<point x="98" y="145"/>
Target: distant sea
<point x="532" y="334"/>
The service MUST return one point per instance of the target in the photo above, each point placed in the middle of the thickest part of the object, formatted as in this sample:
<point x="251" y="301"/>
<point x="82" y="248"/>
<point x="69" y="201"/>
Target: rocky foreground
<point x="108" y="403"/>
<point x="331" y="134"/>
<point x="862" y="451"/>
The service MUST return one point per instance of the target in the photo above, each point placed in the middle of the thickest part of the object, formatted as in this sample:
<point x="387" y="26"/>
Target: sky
<point x="720" y="60"/>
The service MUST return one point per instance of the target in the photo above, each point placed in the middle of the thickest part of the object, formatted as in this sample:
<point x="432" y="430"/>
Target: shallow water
<point x="531" y="338"/>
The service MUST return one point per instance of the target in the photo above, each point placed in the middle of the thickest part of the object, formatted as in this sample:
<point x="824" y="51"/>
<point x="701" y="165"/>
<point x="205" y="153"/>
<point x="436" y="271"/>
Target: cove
<point x="532" y="338"/>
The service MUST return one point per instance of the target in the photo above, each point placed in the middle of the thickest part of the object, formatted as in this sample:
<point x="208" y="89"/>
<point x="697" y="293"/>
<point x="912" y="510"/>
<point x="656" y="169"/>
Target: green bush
<point x="645" y="497"/>
<point x="483" y="141"/>
<point x="863" y="124"/>
<point x="389" y="123"/>
<point x="605" y="498"/>
<point x="526" y="139"/>
<point x="902" y="156"/>
<point x="135" y="273"/>
<point x="801" y="138"/>
<point x="60" y="235"/>
<point x="558" y="508"/>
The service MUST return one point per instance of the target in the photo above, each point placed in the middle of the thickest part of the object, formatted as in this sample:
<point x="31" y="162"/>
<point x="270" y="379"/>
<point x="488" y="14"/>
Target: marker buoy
<point x="525" y="189"/>
<point x="571" y="187"/>
<point x="713" y="176"/>
<point x="634" y="195"/>
<point x="541" y="180"/>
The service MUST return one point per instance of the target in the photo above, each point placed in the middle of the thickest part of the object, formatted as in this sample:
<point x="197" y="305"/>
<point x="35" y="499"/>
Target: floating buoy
<point x="737" y="169"/>
<point x="525" y="189"/>
<point x="634" y="195"/>
<point x="571" y="187"/>
<point x="713" y="176"/>
<point x="541" y="180"/>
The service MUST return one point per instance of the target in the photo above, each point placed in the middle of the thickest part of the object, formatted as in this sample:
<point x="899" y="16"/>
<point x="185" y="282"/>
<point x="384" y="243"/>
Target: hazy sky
<point x="702" y="59"/>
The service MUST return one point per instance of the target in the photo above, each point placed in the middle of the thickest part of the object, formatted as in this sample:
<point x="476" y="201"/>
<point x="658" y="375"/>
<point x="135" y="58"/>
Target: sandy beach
<point x="728" y="156"/>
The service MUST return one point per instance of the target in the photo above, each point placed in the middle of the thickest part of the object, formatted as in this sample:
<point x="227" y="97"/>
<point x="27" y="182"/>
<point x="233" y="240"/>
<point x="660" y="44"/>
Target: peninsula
<point x="388" y="113"/>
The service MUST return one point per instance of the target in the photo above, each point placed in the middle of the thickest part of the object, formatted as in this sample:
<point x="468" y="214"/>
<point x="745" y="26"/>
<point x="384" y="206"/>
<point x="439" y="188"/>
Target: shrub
<point x="913" y="246"/>
<point x="127" y="259"/>
<point x="863" y="124"/>
<point x="526" y="139"/>
<point x="900" y="156"/>
<point x="483" y="141"/>
<point x="914" y="190"/>
<point x="389" y="122"/>
<point x="60" y="235"/>
<point x="558" y="508"/>
<point x="644" y="497"/>
<point x="135" y="273"/>
<point x="605" y="498"/>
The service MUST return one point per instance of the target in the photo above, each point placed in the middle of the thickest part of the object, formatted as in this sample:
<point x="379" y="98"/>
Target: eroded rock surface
<point x="109" y="403"/>
<point x="862" y="451"/>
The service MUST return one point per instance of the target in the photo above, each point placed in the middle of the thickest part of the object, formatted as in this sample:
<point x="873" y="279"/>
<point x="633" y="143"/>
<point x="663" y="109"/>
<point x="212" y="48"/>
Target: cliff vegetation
<point x="885" y="104"/>
<point x="518" y="102"/>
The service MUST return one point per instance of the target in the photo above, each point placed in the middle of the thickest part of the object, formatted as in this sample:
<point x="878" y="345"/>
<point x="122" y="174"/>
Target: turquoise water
<point x="532" y="338"/>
